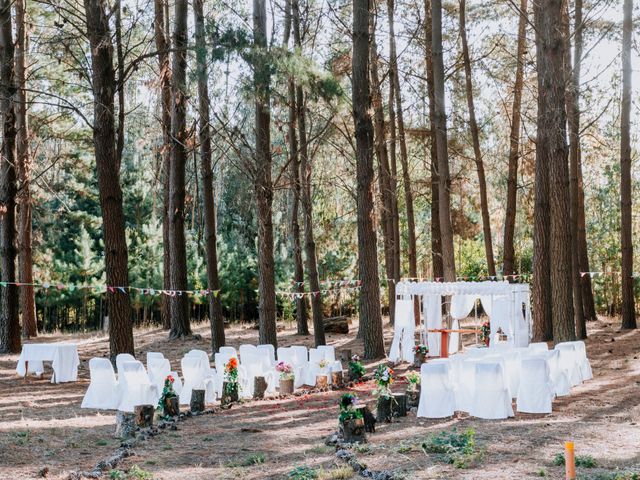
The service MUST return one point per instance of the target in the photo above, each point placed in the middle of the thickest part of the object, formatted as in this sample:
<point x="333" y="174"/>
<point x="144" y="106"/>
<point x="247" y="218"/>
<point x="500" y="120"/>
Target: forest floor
<point x="42" y="425"/>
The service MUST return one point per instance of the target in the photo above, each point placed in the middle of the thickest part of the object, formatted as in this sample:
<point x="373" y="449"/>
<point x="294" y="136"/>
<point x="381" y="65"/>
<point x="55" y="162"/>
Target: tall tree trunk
<point x="179" y="305"/>
<point x="263" y="183"/>
<point x="369" y="301"/>
<point x="311" y="262"/>
<point x="436" y="240"/>
<point x="204" y="133"/>
<point x="25" y="257"/>
<point x="104" y="141"/>
<point x="444" y="181"/>
<point x="508" y="267"/>
<point x="302" y="320"/>
<point x="587" y="291"/>
<point x="572" y="98"/>
<point x="162" y="45"/>
<point x="475" y="136"/>
<point x="553" y="156"/>
<point x="9" y="320"/>
<point x="384" y="177"/>
<point x="626" y="221"/>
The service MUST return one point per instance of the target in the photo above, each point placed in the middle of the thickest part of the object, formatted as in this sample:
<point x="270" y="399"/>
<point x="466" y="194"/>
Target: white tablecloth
<point x="63" y="357"/>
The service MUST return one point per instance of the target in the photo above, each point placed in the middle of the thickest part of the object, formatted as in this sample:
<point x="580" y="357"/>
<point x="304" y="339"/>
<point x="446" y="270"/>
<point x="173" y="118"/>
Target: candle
<point x="569" y="461"/>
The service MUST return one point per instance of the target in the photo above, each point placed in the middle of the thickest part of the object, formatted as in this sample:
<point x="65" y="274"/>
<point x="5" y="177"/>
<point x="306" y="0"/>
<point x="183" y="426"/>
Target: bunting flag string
<point x="606" y="274"/>
<point x="294" y="295"/>
<point x="469" y="278"/>
<point x="114" y="289"/>
<point x="331" y="283"/>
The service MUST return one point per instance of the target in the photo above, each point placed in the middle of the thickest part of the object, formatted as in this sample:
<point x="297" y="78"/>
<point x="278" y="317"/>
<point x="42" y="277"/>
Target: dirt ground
<point x="42" y="425"/>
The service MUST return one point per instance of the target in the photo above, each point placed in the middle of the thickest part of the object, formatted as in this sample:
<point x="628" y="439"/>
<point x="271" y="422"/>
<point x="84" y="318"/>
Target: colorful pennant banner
<point x="113" y="289"/>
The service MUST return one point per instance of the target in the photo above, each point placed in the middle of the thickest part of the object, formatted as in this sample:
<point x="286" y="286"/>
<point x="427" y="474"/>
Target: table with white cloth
<point x="63" y="357"/>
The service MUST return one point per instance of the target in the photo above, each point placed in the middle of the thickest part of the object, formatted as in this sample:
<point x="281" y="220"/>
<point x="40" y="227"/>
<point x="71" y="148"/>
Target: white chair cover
<point x="404" y="329"/>
<point x="465" y="381"/>
<point x="492" y="399"/>
<point x="300" y="369"/>
<point x="536" y="391"/>
<point x="585" y="366"/>
<point x="120" y="359"/>
<point x="570" y="361"/>
<point x="271" y="352"/>
<point x="154" y="356"/>
<point x="230" y="351"/>
<point x="197" y="375"/>
<point x="158" y="370"/>
<point x="539" y="346"/>
<point x="256" y="364"/>
<point x="437" y="394"/>
<point x="134" y="387"/>
<point x="247" y="349"/>
<point x="101" y="393"/>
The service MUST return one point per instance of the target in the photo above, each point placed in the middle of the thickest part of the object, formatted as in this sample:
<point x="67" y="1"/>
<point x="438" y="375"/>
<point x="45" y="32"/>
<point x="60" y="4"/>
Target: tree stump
<point x="125" y="425"/>
<point x="171" y="407"/>
<point x="384" y="410"/>
<point x="144" y="415"/>
<point x="353" y="431"/>
<point x="413" y="398"/>
<point x="322" y="381"/>
<point x="345" y="355"/>
<point x="420" y="358"/>
<point x="286" y="386"/>
<point x="369" y="419"/>
<point x="399" y="405"/>
<point x="259" y="387"/>
<point x="229" y="393"/>
<point x="197" y="401"/>
<point x="337" y="378"/>
<point x="336" y="325"/>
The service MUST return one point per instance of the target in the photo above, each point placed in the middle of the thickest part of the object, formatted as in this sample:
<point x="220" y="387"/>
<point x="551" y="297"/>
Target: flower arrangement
<point x="421" y="349"/>
<point x="285" y="370"/>
<point x="384" y="378"/>
<point x="231" y="375"/>
<point x="414" y="380"/>
<point x="485" y="332"/>
<point x="167" y="393"/>
<point x="356" y="369"/>
<point x="322" y="363"/>
<point x="347" y="405"/>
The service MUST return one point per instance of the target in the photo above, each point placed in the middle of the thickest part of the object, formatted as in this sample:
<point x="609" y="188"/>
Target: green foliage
<point x="356" y="369"/>
<point x="134" y="473"/>
<point x="253" y="459"/>
<point x="586" y="461"/>
<point x="347" y="404"/>
<point x="457" y="449"/>
<point x="167" y="393"/>
<point x="302" y="473"/>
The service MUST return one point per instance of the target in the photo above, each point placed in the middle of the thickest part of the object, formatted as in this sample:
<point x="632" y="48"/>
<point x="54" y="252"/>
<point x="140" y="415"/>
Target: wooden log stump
<point x="337" y="378"/>
<point x="144" y="415"/>
<point x="399" y="405"/>
<point x="369" y="418"/>
<point x="322" y="381"/>
<point x="419" y="359"/>
<point x="353" y="431"/>
<point x="229" y="394"/>
<point x="336" y="325"/>
<point x="384" y="411"/>
<point x="286" y="386"/>
<point x="125" y="425"/>
<point x="197" y="401"/>
<point x="345" y="355"/>
<point x="413" y="398"/>
<point x="259" y="387"/>
<point x="171" y="407"/>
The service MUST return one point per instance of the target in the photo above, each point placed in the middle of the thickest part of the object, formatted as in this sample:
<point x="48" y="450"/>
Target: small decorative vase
<point x="286" y="386"/>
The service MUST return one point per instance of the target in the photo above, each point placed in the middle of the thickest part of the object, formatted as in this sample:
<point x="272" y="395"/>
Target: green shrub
<point x="457" y="449"/>
<point x="302" y="473"/>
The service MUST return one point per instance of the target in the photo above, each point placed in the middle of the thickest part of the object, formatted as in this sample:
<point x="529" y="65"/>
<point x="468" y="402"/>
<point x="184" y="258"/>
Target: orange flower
<point x="232" y="364"/>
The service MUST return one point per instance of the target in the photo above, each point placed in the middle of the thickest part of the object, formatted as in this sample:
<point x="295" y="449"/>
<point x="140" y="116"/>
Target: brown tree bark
<point x="589" y="304"/>
<point x="436" y="240"/>
<point x="508" y="267"/>
<point x="163" y="45"/>
<point x="302" y="320"/>
<point x="25" y="257"/>
<point x="369" y="300"/>
<point x="626" y="221"/>
<point x="179" y="304"/>
<point x="216" y="319"/>
<point x="475" y="136"/>
<point x="263" y="184"/>
<point x="440" y="118"/>
<point x="9" y="320"/>
<point x="108" y="173"/>
<point x="572" y="98"/>
<point x="552" y="153"/>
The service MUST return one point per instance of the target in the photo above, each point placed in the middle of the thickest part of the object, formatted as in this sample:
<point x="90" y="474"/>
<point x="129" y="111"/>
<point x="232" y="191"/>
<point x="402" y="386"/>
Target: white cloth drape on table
<point x="403" y="341"/>
<point x="432" y="311"/>
<point x="63" y="357"/>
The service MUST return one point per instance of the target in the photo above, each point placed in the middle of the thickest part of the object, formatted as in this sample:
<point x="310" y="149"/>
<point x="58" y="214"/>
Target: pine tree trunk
<point x="108" y="173"/>
<point x="215" y="307"/>
<point x="263" y="184"/>
<point x="626" y="221"/>
<point x="572" y="98"/>
<point x="508" y="267"/>
<point x="179" y="303"/>
<point x="369" y="301"/>
<point x="9" y="320"/>
<point x="475" y="136"/>
<point x="587" y="291"/>
<point x="444" y="181"/>
<point x="162" y="45"/>
<point x="436" y="240"/>
<point x="25" y="257"/>
<point x="384" y="177"/>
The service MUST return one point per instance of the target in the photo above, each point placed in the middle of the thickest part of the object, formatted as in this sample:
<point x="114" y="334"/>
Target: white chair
<point x="403" y="343"/>
<point x="315" y="357"/>
<point x="247" y="349"/>
<point x="229" y="351"/>
<point x="197" y="376"/>
<point x="329" y="352"/>
<point x="512" y="370"/>
<point x="570" y="360"/>
<point x="101" y="393"/>
<point x="120" y="359"/>
<point x="158" y="369"/>
<point x="538" y="346"/>
<point x="585" y="366"/>
<point x="256" y="364"/>
<point x="536" y="390"/>
<point x="134" y="387"/>
<point x="465" y="382"/>
<point x="437" y="393"/>
<point x="154" y="356"/>
<point x="288" y="355"/>
<point x="270" y="351"/>
<point x="492" y="399"/>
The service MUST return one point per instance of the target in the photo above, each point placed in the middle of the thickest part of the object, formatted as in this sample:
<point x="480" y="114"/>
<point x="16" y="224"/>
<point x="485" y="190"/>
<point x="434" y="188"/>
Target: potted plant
<point x="230" y="387"/>
<point x="413" y="389"/>
<point x="168" y="405"/>
<point x="421" y="352"/>
<point x="351" y="419"/>
<point x="286" y="378"/>
<point x="485" y="333"/>
<point x="383" y="377"/>
<point x="356" y="369"/>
